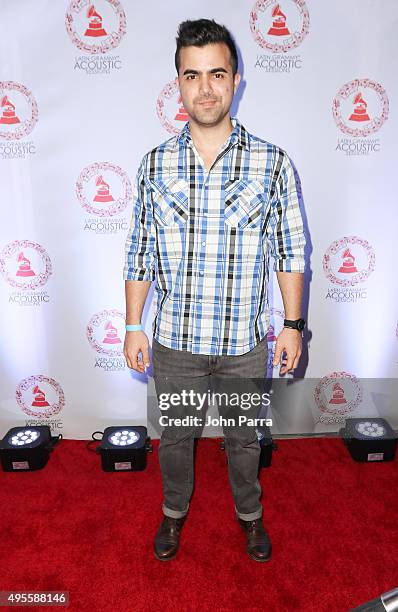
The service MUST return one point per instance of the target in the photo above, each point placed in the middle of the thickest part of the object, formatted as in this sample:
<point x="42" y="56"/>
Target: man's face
<point x="206" y="83"/>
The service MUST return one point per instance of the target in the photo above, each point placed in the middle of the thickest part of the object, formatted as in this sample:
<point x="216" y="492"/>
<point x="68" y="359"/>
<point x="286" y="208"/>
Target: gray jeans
<point x="176" y="370"/>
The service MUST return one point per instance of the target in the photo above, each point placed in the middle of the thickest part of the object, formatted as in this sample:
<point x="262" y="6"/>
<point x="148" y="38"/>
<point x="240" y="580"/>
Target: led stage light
<point x="124" y="448"/>
<point x="27" y="448"/>
<point x="369" y="439"/>
<point x="266" y="445"/>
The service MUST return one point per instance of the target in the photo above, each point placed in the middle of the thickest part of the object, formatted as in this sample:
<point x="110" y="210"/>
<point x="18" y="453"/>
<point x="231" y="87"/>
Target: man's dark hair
<point x="203" y="32"/>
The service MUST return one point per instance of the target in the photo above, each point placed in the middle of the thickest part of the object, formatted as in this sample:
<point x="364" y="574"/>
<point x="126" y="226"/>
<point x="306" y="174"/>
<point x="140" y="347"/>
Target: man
<point x="210" y="205"/>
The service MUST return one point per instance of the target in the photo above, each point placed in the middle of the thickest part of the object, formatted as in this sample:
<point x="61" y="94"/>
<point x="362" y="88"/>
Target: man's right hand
<point x="134" y="343"/>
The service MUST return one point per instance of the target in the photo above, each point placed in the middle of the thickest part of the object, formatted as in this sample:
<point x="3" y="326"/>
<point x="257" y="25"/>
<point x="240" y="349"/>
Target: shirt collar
<point x="238" y="135"/>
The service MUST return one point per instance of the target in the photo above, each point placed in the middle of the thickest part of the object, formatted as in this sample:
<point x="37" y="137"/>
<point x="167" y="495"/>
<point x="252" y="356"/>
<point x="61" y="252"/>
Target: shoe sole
<point x="166" y="558"/>
<point x="259" y="560"/>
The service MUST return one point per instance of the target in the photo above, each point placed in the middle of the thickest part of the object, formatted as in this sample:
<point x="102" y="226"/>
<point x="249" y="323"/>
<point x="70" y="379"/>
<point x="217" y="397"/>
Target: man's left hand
<point x="288" y="342"/>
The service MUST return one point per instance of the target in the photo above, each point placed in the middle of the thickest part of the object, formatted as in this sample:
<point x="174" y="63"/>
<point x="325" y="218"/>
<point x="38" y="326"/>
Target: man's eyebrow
<point x="218" y="70"/>
<point x="212" y="71"/>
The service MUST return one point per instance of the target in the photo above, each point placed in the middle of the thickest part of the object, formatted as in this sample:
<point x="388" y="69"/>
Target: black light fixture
<point x="27" y="448"/>
<point x="369" y="439"/>
<point x="124" y="448"/>
<point x="266" y="446"/>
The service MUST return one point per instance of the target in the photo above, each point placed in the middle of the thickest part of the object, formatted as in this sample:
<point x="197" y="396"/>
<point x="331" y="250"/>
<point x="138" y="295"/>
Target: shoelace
<point x="171" y="523"/>
<point x="254" y="525"/>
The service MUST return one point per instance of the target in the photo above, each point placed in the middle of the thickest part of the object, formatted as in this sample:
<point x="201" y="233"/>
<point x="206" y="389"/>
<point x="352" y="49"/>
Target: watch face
<point x="300" y="324"/>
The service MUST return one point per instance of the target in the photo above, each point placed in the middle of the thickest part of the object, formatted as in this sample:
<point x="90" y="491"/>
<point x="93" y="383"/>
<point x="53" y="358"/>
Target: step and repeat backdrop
<point x="86" y="89"/>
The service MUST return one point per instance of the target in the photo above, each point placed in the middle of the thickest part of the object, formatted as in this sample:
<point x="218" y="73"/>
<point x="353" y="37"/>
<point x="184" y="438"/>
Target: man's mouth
<point x="207" y="102"/>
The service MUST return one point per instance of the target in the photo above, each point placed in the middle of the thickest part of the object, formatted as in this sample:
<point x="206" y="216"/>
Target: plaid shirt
<point x="205" y="237"/>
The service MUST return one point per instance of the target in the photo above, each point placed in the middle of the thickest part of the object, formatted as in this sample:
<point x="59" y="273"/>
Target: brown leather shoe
<point x="167" y="538"/>
<point x="258" y="542"/>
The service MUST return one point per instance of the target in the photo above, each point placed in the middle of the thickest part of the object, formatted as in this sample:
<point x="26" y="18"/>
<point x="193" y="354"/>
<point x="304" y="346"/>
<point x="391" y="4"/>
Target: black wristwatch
<point x="298" y="324"/>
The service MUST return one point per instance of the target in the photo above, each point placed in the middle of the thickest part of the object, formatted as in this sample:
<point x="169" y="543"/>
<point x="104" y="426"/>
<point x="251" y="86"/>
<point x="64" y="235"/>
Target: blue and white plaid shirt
<point x="205" y="237"/>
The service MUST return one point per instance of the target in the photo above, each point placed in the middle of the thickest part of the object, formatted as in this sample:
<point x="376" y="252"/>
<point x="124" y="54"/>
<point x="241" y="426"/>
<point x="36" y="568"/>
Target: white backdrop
<point x="85" y="92"/>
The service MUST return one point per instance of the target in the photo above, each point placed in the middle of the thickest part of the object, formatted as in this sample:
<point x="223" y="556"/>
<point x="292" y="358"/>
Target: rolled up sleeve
<point x="140" y="246"/>
<point x="285" y="230"/>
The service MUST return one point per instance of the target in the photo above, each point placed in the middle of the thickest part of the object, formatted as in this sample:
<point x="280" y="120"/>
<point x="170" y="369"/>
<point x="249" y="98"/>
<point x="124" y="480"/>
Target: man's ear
<point x="237" y="78"/>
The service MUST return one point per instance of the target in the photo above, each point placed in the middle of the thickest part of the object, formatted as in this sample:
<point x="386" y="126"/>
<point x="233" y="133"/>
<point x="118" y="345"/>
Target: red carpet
<point x="333" y="524"/>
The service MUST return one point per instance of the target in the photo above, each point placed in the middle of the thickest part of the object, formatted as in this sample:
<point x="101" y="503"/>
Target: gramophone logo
<point x="336" y="396"/>
<point x="105" y="333"/>
<point x="360" y="108"/>
<point x="348" y="262"/>
<point x="26" y="265"/>
<point x="359" y="112"/>
<point x="18" y="117"/>
<point x="96" y="27"/>
<point x="170" y="108"/>
<point x="40" y="396"/>
<point x="104" y="190"/>
<point x="181" y="114"/>
<point x="8" y="115"/>
<point x="279" y="27"/>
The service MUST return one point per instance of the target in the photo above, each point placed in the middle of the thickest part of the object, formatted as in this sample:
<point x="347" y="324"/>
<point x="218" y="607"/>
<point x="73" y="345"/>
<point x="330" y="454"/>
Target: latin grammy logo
<point x="338" y="395"/>
<point x="40" y="398"/>
<point x="103" y="194"/>
<point x="95" y="24"/>
<point x="271" y="334"/>
<point x="111" y="334"/>
<point x="348" y="266"/>
<point x="278" y="27"/>
<point x="360" y="112"/>
<point x="182" y="114"/>
<point x="24" y="268"/>
<point x="8" y="115"/>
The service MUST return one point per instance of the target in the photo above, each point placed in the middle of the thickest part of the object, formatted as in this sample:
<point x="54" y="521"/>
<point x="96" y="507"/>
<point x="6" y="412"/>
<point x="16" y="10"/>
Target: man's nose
<point x="205" y="85"/>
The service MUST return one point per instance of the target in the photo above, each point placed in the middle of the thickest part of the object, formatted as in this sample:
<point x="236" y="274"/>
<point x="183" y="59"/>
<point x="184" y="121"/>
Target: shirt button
<point x="201" y="272"/>
<point x="204" y="243"/>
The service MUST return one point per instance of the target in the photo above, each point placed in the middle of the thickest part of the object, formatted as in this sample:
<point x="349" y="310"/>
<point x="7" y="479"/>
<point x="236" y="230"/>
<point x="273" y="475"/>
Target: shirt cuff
<point x="140" y="274"/>
<point x="293" y="264"/>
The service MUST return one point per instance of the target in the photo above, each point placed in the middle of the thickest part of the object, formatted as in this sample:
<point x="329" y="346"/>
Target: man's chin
<point x="208" y="118"/>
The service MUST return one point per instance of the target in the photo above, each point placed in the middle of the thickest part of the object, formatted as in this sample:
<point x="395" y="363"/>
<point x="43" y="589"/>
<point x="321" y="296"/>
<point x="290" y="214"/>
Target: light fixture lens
<point x="124" y="438"/>
<point x="25" y="436"/>
<point x="370" y="429"/>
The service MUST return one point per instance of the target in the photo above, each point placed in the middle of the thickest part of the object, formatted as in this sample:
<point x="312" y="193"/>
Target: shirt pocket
<point x="244" y="203"/>
<point x="170" y="201"/>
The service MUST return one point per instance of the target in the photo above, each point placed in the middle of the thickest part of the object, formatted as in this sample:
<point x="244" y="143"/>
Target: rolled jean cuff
<point x="176" y="514"/>
<point x="252" y="516"/>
